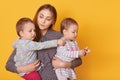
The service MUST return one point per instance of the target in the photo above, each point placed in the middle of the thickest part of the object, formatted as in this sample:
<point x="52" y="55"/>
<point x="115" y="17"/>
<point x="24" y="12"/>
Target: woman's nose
<point x="43" y="20"/>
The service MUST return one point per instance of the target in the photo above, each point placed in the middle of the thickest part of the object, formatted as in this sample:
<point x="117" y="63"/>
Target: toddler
<point x="26" y="48"/>
<point x="70" y="51"/>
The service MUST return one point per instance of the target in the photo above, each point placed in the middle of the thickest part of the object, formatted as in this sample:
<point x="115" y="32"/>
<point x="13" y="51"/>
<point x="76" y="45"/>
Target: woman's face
<point x="45" y="19"/>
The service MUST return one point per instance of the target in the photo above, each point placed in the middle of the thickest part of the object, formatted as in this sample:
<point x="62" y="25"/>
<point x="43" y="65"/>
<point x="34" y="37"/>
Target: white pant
<point x="61" y="77"/>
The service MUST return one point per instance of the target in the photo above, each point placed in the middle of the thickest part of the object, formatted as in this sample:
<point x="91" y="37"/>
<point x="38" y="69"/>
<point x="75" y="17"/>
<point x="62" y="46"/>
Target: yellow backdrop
<point x="99" y="22"/>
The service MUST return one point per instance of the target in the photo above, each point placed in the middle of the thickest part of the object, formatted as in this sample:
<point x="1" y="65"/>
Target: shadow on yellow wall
<point x="99" y="22"/>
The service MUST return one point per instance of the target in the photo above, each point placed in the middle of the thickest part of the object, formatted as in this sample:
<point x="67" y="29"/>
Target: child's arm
<point x="72" y="54"/>
<point x="78" y="61"/>
<point x="57" y="63"/>
<point x="31" y="45"/>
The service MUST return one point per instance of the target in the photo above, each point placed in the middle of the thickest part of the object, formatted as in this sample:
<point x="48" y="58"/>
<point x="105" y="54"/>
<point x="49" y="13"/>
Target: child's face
<point x="28" y="32"/>
<point x="71" y="32"/>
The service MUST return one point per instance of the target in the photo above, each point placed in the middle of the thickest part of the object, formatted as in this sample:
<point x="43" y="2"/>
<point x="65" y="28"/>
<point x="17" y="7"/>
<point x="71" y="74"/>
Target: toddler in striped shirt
<point x="70" y="51"/>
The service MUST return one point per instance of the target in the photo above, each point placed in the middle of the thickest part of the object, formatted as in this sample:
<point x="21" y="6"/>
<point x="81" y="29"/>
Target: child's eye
<point x="30" y="30"/>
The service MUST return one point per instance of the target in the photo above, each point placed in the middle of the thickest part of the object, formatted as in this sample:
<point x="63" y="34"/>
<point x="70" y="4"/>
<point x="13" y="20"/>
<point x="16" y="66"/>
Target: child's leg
<point x="32" y="76"/>
<point x="59" y="76"/>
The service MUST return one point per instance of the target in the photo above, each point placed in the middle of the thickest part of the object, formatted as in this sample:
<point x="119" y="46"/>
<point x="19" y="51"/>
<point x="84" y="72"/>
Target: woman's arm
<point x="76" y="62"/>
<point x="10" y="64"/>
<point x="29" y="67"/>
<point x="57" y="63"/>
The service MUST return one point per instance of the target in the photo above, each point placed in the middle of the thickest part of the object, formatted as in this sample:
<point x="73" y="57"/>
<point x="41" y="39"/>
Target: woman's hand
<point x="57" y="63"/>
<point x="29" y="67"/>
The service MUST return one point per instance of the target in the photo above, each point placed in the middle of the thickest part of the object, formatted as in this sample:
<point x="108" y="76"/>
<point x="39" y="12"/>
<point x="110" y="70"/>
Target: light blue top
<point x="25" y="51"/>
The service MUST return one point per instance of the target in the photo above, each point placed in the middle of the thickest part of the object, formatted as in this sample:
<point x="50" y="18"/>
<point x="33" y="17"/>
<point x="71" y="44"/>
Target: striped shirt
<point x="68" y="53"/>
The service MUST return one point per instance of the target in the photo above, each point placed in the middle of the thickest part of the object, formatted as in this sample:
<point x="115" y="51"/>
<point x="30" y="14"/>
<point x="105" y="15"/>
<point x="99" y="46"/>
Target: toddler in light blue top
<point x="26" y="47"/>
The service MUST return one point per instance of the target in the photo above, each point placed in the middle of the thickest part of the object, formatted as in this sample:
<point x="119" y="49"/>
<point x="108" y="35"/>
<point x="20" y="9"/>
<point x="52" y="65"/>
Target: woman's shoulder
<point x="54" y="31"/>
<point x="54" y="34"/>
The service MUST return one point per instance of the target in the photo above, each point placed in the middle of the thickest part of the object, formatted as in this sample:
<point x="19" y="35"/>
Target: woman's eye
<point x="41" y="16"/>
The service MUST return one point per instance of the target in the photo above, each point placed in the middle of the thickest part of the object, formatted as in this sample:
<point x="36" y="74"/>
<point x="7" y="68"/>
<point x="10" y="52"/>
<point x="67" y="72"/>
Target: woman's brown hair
<point x="52" y="10"/>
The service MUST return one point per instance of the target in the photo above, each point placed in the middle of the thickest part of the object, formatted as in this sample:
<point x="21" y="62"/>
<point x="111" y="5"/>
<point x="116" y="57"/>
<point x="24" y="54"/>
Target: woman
<point x="44" y="20"/>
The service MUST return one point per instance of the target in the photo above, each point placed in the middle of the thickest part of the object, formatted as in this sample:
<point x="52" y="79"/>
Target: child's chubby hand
<point x="85" y="51"/>
<point x="61" y="41"/>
